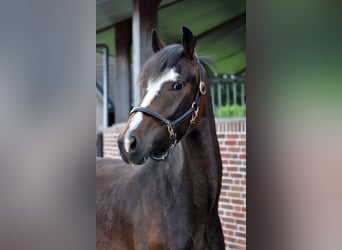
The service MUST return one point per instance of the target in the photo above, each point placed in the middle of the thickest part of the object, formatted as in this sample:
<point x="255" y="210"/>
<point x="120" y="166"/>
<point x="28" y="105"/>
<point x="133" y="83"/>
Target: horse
<point x="165" y="195"/>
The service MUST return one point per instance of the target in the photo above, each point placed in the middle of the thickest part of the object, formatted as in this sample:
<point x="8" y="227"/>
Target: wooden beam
<point x="144" y="20"/>
<point x="240" y="71"/>
<point x="169" y="4"/>
<point x="231" y="23"/>
<point x="110" y="26"/>
<point x="123" y="41"/>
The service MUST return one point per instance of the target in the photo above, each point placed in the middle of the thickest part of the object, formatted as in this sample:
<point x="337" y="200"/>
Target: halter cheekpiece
<point x="171" y="125"/>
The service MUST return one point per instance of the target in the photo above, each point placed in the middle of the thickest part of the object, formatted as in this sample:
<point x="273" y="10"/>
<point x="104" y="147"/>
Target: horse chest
<point x="170" y="218"/>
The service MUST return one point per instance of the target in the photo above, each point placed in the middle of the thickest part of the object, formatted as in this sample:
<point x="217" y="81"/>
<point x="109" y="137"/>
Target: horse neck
<point x="201" y="149"/>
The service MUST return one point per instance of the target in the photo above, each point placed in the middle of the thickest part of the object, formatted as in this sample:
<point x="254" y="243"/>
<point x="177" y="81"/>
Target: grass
<point x="229" y="111"/>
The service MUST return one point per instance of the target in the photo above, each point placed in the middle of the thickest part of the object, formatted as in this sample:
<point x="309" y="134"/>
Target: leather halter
<point x="171" y="125"/>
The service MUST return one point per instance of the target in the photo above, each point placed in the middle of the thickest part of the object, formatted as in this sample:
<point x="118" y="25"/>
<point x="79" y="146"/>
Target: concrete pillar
<point x="144" y="20"/>
<point x="123" y="41"/>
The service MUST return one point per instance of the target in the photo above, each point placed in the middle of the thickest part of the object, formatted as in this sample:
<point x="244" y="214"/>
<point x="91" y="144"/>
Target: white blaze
<point x="136" y="119"/>
<point x="153" y="88"/>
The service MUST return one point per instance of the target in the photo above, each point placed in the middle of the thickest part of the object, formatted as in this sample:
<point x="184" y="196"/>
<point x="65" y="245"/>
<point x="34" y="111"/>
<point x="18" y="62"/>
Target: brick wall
<point x="110" y="137"/>
<point x="232" y="205"/>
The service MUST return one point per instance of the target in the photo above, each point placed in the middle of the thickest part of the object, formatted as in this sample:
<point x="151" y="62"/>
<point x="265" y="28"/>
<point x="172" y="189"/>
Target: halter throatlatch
<point x="171" y="125"/>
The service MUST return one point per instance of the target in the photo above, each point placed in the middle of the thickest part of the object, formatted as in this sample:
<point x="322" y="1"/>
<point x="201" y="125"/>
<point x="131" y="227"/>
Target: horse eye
<point x="178" y="85"/>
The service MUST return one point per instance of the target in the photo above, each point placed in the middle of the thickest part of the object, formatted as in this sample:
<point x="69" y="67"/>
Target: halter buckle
<point x="170" y="130"/>
<point x="172" y="145"/>
<point x="195" y="114"/>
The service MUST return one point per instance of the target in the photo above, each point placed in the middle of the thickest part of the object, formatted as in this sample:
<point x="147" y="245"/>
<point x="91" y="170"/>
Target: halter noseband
<point x="171" y="125"/>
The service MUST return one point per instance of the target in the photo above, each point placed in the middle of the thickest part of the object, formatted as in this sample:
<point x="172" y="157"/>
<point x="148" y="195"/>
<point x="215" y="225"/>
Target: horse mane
<point x="158" y="62"/>
<point x="208" y="64"/>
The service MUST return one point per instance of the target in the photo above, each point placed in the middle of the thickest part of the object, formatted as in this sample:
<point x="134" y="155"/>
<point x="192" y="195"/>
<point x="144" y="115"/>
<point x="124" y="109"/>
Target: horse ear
<point x="156" y="43"/>
<point x="188" y="42"/>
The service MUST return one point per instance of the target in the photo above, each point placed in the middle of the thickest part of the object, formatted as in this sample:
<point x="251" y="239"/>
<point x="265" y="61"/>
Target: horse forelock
<point x="164" y="59"/>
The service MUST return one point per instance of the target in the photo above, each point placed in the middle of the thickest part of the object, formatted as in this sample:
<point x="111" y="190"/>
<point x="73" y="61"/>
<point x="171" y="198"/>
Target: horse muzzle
<point x="130" y="150"/>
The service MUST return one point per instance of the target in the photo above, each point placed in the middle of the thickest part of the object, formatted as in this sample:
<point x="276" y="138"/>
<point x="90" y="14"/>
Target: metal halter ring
<point x="202" y="88"/>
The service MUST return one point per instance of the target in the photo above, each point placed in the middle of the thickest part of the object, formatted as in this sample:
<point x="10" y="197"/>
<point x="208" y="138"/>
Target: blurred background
<point x="47" y="75"/>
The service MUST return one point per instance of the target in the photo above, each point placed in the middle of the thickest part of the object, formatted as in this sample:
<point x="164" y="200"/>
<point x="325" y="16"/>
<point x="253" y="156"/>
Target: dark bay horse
<point x="166" y="194"/>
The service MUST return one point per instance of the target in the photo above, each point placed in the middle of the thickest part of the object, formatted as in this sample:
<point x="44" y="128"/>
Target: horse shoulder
<point x="112" y="182"/>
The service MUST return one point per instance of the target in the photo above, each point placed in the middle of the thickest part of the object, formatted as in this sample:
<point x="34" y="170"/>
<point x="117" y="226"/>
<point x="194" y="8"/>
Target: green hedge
<point x="226" y="111"/>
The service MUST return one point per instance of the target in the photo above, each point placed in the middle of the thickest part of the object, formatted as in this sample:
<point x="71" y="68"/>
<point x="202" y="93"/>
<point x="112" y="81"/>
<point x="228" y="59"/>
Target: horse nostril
<point x="133" y="143"/>
<point x="130" y="143"/>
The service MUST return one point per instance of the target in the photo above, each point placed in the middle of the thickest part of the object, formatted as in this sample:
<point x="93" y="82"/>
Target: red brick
<point x="226" y="155"/>
<point x="238" y="176"/>
<point x="230" y="143"/>
<point x="241" y="235"/>
<point x="225" y="174"/>
<point x="242" y="156"/>
<point x="239" y="202"/>
<point x="237" y="209"/>
<point x="228" y="220"/>
<point x="228" y="213"/>
<point x="224" y="199"/>
<point x="233" y="136"/>
<point x="227" y="181"/>
<point x="234" y="195"/>
<point x="238" y="215"/>
<point x="232" y="169"/>
<point x="230" y="226"/>
<point x="225" y="206"/>
<point x="224" y="193"/>
<point x="235" y="162"/>
<point x="240" y="222"/>
<point x="220" y="135"/>
<point x="237" y="188"/>
<point x="234" y="149"/>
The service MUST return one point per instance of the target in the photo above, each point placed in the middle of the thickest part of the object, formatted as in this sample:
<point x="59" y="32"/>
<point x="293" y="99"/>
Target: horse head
<point x="172" y="84"/>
